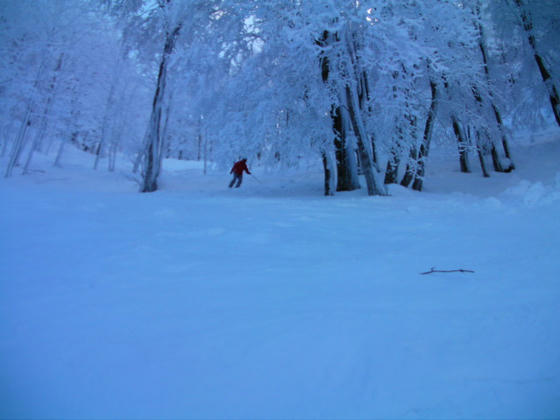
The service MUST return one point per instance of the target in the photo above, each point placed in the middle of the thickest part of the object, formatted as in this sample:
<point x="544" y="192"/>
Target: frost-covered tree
<point x="61" y="58"/>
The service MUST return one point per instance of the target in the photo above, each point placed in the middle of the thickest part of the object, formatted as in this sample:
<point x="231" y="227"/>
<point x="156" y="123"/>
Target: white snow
<point x="272" y="301"/>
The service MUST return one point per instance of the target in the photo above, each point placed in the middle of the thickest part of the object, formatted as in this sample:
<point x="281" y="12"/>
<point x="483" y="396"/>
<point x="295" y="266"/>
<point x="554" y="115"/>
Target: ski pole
<point x="257" y="179"/>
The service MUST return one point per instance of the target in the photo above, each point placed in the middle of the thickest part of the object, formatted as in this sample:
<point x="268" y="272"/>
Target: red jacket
<point x="239" y="167"/>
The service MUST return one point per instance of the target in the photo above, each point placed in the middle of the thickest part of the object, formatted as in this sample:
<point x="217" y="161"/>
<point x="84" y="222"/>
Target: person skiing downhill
<point x="237" y="171"/>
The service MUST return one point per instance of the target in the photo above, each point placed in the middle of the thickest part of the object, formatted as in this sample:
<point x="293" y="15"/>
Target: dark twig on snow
<point x="460" y="270"/>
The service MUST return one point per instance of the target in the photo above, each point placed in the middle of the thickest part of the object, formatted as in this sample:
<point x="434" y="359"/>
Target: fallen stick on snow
<point x="460" y="270"/>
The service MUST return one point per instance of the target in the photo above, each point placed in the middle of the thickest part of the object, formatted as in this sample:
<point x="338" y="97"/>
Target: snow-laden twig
<point x="460" y="270"/>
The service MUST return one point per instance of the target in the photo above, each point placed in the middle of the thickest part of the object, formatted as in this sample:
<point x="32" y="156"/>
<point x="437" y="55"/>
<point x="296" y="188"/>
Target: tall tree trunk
<point x="365" y="147"/>
<point x="357" y="99"/>
<point x="496" y="160"/>
<point x="346" y="165"/>
<point x="152" y="153"/>
<point x="482" y="147"/>
<point x="545" y="74"/>
<point x="426" y="140"/>
<point x="394" y="161"/>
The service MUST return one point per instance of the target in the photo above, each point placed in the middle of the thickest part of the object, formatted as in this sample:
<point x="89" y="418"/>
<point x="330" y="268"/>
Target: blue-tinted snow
<point x="272" y="301"/>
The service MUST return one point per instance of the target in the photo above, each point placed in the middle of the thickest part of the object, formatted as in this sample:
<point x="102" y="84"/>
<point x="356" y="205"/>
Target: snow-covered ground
<point x="272" y="301"/>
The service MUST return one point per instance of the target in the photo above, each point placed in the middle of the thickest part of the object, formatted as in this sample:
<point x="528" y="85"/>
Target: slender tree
<point x="154" y="147"/>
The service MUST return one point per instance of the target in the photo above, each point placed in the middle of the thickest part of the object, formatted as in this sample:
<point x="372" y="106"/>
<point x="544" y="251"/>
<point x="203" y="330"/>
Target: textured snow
<point x="272" y="301"/>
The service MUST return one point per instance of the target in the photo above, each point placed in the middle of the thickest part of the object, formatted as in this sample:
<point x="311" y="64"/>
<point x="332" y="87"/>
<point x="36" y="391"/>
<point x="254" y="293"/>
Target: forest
<point x="363" y="86"/>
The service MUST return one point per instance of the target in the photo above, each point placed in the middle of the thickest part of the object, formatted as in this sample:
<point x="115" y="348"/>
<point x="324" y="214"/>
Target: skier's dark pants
<point x="238" y="178"/>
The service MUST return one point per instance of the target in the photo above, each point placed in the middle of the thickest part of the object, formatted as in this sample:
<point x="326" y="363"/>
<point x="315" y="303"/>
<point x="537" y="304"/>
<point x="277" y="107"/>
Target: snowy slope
<point x="272" y="301"/>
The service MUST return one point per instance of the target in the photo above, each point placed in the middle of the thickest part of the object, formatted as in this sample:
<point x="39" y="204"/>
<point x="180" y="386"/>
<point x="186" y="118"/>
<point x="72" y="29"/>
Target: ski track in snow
<point x="272" y="301"/>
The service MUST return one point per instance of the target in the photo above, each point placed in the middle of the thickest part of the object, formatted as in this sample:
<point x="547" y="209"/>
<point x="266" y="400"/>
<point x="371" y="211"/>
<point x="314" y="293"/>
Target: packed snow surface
<point x="272" y="301"/>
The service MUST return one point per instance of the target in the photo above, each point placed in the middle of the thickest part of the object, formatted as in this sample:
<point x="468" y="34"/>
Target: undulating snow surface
<point x="272" y="301"/>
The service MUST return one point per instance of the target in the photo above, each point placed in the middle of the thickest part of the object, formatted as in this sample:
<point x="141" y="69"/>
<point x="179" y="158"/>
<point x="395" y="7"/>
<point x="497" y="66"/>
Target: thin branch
<point x="460" y="270"/>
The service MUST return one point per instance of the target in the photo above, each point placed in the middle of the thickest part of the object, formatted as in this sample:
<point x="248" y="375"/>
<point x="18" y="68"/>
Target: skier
<point x="237" y="171"/>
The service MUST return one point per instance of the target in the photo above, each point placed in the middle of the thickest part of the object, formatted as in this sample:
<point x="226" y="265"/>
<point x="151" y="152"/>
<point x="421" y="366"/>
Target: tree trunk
<point x="480" y="149"/>
<point x="357" y="98"/>
<point x="411" y="168"/>
<point x="462" y="145"/>
<point x="330" y="173"/>
<point x="365" y="147"/>
<point x="391" y="172"/>
<point x="152" y="154"/>
<point x="18" y="144"/>
<point x="346" y="165"/>
<point x="426" y="140"/>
